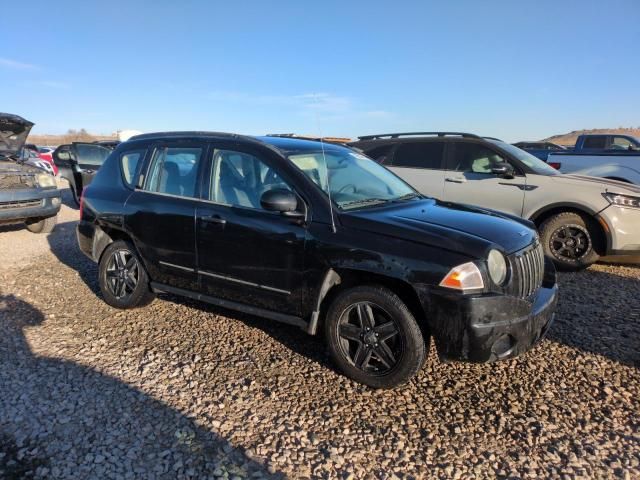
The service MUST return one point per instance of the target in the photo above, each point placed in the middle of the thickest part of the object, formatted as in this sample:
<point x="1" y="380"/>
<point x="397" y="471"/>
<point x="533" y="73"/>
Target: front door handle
<point x="214" y="219"/>
<point x="455" y="179"/>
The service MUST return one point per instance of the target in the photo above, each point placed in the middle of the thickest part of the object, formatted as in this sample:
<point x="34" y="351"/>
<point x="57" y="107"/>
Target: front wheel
<point x="373" y="337"/>
<point x="123" y="280"/>
<point x="571" y="240"/>
<point x="45" y="225"/>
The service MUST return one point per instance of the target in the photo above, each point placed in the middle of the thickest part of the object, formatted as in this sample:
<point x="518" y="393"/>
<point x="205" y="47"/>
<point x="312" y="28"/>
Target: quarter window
<point x="240" y="179"/>
<point x="471" y="157"/>
<point x="174" y="170"/>
<point x="129" y="162"/>
<point x="419" y="155"/>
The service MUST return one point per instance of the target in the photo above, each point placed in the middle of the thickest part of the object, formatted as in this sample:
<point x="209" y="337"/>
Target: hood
<point x="460" y="228"/>
<point x="602" y="184"/>
<point x="14" y="131"/>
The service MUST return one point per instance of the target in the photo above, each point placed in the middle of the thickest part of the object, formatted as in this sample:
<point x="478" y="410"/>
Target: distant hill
<point x="71" y="136"/>
<point x="570" y="138"/>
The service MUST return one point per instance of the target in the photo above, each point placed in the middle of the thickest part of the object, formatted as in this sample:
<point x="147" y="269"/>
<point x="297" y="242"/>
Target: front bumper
<point x="623" y="225"/>
<point x="485" y="328"/>
<point x="19" y="205"/>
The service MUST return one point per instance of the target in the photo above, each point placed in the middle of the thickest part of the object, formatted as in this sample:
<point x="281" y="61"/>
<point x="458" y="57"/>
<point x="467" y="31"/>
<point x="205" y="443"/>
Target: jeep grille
<point x="527" y="271"/>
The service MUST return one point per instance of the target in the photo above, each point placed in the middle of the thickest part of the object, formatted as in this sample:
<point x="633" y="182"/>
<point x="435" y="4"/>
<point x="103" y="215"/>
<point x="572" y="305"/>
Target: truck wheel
<point x="123" y="280"/>
<point x="373" y="337"/>
<point x="45" y="225"/>
<point x="571" y="240"/>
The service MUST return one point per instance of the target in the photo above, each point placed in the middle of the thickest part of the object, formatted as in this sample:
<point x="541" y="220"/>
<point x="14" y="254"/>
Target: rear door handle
<point x="214" y="219"/>
<point x="455" y="179"/>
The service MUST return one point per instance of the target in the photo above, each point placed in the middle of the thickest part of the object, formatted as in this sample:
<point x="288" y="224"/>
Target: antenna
<point x="326" y="166"/>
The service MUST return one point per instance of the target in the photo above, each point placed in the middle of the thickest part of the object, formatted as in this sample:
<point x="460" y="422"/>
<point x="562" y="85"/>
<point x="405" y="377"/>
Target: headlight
<point x="622" y="200"/>
<point x="497" y="267"/>
<point x="463" y="277"/>
<point x="45" y="180"/>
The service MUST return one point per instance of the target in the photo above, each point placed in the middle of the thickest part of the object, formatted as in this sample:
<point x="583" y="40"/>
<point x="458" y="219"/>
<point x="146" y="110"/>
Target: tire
<point x="124" y="282"/>
<point x="45" y="225"/>
<point x="357" y="320"/>
<point x="571" y="240"/>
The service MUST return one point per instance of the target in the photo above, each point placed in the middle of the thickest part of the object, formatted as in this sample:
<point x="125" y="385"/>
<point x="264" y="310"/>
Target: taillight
<point x="555" y="165"/>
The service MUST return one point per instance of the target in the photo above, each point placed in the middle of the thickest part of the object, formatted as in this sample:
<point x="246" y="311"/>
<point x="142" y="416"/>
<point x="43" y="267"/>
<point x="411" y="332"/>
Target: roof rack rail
<point x="409" y="134"/>
<point x="339" y="140"/>
<point x="493" y="138"/>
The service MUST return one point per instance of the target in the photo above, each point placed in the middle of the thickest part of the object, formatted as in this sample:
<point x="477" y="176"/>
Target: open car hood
<point x="14" y="131"/>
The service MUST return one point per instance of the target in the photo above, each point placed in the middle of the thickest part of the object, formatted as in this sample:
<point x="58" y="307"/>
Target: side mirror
<point x="503" y="170"/>
<point x="280" y="200"/>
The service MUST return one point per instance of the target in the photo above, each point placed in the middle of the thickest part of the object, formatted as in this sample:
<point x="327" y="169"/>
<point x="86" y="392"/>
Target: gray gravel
<point x="180" y="389"/>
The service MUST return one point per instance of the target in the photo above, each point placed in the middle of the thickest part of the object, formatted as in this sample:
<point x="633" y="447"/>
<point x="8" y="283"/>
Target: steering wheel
<point x="348" y="185"/>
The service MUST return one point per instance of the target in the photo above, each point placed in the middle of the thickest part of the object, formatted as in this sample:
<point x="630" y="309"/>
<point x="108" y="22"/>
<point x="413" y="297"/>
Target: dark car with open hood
<point x="321" y="237"/>
<point x="27" y="194"/>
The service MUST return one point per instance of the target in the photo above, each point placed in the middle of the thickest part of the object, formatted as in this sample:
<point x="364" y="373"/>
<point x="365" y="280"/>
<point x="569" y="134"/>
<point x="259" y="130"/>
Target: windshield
<point x="534" y="163"/>
<point x="354" y="180"/>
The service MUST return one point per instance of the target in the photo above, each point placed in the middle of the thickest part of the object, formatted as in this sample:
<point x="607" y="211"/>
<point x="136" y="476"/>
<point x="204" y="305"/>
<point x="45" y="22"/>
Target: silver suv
<point x="579" y="218"/>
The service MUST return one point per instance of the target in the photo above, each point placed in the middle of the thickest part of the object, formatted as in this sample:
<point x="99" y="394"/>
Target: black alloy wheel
<point x="373" y="337"/>
<point x="571" y="240"/>
<point x="124" y="282"/>
<point x="123" y="274"/>
<point x="370" y="338"/>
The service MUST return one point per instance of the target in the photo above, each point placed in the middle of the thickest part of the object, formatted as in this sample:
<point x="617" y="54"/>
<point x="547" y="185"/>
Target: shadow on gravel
<point x="599" y="313"/>
<point x="64" y="245"/>
<point x="63" y="420"/>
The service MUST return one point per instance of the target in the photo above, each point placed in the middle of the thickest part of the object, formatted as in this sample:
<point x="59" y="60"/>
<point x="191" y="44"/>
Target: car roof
<point x="285" y="145"/>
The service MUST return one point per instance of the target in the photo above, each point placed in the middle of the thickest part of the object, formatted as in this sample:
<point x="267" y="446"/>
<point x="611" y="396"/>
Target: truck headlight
<point x="463" y="277"/>
<point x="497" y="267"/>
<point x="45" y="180"/>
<point x="622" y="200"/>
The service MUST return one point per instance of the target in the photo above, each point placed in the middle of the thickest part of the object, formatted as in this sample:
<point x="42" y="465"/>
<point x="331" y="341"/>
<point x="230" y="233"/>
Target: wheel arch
<point x="340" y="279"/>
<point x="549" y="211"/>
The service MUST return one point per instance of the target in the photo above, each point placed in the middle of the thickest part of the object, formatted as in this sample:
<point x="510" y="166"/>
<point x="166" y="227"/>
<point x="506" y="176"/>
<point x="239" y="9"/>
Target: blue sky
<point x="513" y="69"/>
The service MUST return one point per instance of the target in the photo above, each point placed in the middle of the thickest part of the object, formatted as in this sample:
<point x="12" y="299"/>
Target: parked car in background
<point x="46" y="152"/>
<point x="28" y="157"/>
<point x="579" y="218"/>
<point x="616" y="157"/>
<point x="540" y="149"/>
<point x="33" y="151"/>
<point x="318" y="236"/>
<point x="78" y="163"/>
<point x="27" y="194"/>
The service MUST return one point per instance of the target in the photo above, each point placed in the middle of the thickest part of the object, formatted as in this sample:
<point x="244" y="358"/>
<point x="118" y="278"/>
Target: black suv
<point x="317" y="236"/>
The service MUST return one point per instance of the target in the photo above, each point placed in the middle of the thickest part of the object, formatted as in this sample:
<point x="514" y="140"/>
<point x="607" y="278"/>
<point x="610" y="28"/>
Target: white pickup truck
<point x="612" y="156"/>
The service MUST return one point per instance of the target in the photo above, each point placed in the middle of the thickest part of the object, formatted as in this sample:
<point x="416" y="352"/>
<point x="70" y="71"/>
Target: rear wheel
<point x="571" y="240"/>
<point x="123" y="280"/>
<point x="373" y="337"/>
<point x="45" y="225"/>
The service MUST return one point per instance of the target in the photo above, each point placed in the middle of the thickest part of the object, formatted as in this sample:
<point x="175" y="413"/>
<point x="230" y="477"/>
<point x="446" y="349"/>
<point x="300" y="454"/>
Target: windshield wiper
<point x="365" y="201"/>
<point x="408" y="196"/>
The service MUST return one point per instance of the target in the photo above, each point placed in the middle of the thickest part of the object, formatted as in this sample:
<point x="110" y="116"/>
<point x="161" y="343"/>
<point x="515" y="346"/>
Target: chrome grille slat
<point x="527" y="271"/>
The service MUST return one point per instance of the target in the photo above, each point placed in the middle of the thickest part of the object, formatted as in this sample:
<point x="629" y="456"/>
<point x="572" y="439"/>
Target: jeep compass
<point x="321" y="237"/>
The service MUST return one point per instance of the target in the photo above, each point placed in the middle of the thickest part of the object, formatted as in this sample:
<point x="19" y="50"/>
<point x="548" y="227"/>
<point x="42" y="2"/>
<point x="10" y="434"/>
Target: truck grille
<point x="527" y="269"/>
<point x="20" y="204"/>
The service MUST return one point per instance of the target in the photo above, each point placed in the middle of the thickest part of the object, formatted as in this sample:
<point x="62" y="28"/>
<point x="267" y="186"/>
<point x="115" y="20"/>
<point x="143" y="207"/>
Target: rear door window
<point x="427" y="155"/>
<point x="91" y="155"/>
<point x="174" y="171"/>
<point x="597" y="141"/>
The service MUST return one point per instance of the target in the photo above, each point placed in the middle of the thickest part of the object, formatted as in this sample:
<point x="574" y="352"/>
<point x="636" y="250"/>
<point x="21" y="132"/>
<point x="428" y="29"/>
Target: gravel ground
<point x="180" y="389"/>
